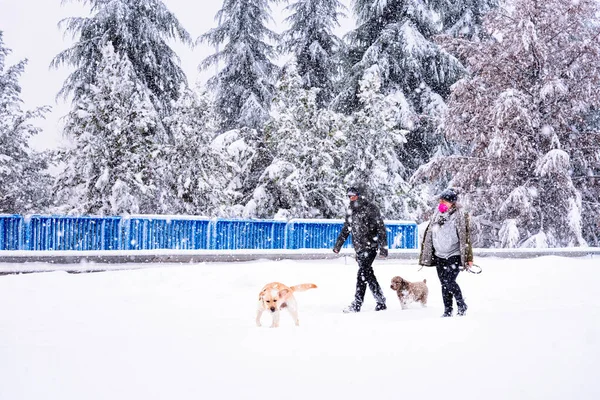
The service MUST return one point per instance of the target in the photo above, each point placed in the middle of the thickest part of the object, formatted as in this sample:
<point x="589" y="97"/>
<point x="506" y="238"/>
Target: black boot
<point x="352" y="308"/>
<point x="447" y="297"/>
<point x="380" y="307"/>
<point x="462" y="309"/>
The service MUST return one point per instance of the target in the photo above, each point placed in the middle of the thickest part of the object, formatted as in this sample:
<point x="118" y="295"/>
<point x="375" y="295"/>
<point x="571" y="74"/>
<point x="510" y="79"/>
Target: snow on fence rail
<point x="154" y="232"/>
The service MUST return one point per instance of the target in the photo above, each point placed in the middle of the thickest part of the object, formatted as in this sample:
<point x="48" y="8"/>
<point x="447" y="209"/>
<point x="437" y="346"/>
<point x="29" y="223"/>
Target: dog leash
<point x="471" y="270"/>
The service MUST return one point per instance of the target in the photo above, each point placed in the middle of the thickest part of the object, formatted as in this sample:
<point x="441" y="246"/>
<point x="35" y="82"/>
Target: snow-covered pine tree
<point x="111" y="168"/>
<point x="196" y="175"/>
<point x="304" y="180"/>
<point x="397" y="36"/>
<point x="463" y="18"/>
<point x="244" y="153"/>
<point x="370" y="158"/>
<point x="137" y="29"/>
<point x="314" y="45"/>
<point x="585" y="163"/>
<point x="245" y="83"/>
<point x="520" y="117"/>
<point x="24" y="184"/>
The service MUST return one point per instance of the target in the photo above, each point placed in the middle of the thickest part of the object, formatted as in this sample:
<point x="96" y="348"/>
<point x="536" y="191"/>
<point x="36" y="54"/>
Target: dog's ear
<point x="260" y="295"/>
<point x="283" y="293"/>
<point x="424" y="280"/>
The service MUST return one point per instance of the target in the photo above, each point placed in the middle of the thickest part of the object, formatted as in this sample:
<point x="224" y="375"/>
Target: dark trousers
<point x="447" y="270"/>
<point x="365" y="276"/>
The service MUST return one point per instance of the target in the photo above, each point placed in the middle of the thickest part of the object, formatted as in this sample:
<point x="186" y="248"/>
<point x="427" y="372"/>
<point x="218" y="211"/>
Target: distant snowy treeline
<point x="499" y="99"/>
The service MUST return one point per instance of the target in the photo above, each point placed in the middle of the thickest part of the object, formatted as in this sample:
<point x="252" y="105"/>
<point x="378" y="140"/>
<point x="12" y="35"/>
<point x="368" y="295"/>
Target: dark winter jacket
<point x="463" y="231"/>
<point x="364" y="222"/>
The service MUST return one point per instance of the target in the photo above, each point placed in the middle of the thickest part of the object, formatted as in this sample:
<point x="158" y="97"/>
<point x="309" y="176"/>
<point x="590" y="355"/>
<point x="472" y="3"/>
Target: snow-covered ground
<point x="188" y="332"/>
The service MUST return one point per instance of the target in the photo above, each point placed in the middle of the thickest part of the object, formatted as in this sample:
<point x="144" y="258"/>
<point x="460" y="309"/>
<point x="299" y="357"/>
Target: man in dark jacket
<point x="364" y="222"/>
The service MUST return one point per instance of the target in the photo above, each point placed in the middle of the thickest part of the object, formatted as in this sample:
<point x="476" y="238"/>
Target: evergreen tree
<point x="111" y="168"/>
<point x="243" y="154"/>
<point x="370" y="158"/>
<point x="304" y="179"/>
<point x="463" y="18"/>
<point x="396" y="35"/>
<point x="138" y="30"/>
<point x="520" y="117"/>
<point x="315" y="47"/>
<point x="586" y="174"/>
<point x="196" y="174"/>
<point x="244" y="86"/>
<point x="24" y="184"/>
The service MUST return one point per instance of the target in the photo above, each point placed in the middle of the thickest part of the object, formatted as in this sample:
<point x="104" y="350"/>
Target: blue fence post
<point x="27" y="229"/>
<point x="212" y="235"/>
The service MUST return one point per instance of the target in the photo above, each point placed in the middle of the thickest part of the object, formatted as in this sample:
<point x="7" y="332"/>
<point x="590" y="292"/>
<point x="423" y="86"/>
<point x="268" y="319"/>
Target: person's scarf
<point x="441" y="218"/>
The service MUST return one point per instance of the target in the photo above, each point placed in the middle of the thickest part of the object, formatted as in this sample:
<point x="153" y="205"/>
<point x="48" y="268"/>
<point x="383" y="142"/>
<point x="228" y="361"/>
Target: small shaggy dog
<point x="410" y="291"/>
<point x="276" y="296"/>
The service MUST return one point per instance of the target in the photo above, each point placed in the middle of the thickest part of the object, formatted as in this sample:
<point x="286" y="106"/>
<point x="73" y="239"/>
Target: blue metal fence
<point x="179" y="232"/>
<point x="233" y="234"/>
<point x="11" y="229"/>
<point x="402" y="234"/>
<point x="322" y="234"/>
<point x="146" y="233"/>
<point x="72" y="233"/>
<point x="313" y="234"/>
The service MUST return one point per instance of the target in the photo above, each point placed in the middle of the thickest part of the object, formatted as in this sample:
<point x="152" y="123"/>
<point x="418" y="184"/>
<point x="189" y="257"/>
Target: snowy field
<point x="188" y="332"/>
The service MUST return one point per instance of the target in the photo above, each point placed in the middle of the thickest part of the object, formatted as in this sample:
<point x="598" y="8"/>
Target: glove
<point x="383" y="252"/>
<point x="336" y="251"/>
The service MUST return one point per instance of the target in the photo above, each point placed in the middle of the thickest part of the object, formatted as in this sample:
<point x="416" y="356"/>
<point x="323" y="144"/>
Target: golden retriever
<point x="410" y="291"/>
<point x="276" y="296"/>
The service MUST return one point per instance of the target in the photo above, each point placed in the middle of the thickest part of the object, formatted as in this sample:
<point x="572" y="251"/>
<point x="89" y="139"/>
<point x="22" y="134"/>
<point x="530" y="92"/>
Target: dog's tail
<point x="303" y="287"/>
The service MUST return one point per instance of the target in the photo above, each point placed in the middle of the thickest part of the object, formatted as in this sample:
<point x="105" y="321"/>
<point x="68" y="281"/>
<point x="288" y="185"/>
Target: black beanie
<point x="353" y="190"/>
<point x="450" y="195"/>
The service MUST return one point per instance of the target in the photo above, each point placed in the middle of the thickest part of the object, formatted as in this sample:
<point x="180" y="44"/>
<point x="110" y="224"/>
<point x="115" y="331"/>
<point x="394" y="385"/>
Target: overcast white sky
<point x="31" y="31"/>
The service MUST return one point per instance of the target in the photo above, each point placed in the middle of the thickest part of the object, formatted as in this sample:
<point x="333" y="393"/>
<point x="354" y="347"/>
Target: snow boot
<point x="352" y="308"/>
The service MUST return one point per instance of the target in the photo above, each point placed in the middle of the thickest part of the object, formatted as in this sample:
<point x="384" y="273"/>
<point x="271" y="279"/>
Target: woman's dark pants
<point x="447" y="270"/>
